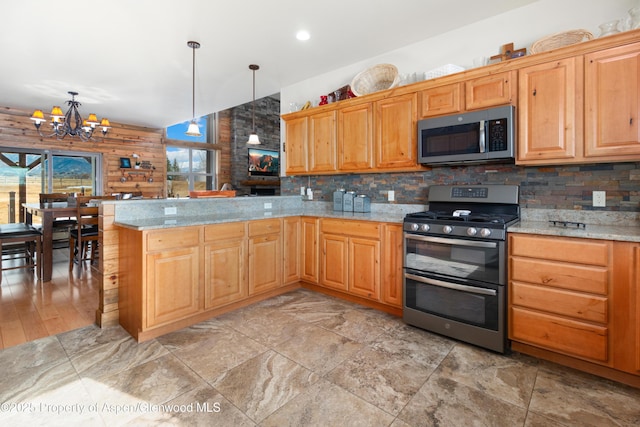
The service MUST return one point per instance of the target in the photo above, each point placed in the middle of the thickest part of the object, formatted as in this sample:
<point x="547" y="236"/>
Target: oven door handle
<point x="455" y="286"/>
<point x="451" y="242"/>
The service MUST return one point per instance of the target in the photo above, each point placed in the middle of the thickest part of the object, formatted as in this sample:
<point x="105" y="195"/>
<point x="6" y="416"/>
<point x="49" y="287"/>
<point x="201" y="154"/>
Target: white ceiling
<point x="130" y="62"/>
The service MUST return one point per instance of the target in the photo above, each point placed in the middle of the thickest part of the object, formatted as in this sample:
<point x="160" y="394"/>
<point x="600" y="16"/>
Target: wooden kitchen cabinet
<point x="334" y="271"/>
<point x="396" y="137"/>
<point x="582" y="109"/>
<point x="225" y="266"/>
<point x="392" y="262"/>
<point x="491" y="91"/>
<point x="265" y="255"/>
<point x="355" y="137"/>
<point x="322" y="142"/>
<point x="311" y="143"/>
<point x="439" y="100"/>
<point x="559" y="295"/>
<point x="625" y="312"/>
<point x="310" y="262"/>
<point x="550" y="124"/>
<point x="291" y="249"/>
<point x="296" y="145"/>
<point x="478" y="93"/>
<point x="351" y="257"/>
<point x="612" y="103"/>
<point x="172" y="277"/>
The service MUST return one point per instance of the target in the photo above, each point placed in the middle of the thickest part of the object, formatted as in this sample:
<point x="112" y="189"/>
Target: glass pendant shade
<point x="253" y="139"/>
<point x="193" y="129"/>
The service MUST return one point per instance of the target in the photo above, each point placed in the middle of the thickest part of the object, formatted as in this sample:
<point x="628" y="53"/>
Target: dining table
<point x="48" y="212"/>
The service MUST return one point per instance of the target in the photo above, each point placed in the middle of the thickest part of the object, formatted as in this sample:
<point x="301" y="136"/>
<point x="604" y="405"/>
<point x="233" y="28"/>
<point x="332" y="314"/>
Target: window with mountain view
<point x="24" y="174"/>
<point x="191" y="166"/>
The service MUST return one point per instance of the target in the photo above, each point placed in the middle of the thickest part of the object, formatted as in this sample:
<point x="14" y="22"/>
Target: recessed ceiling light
<point x="303" y="35"/>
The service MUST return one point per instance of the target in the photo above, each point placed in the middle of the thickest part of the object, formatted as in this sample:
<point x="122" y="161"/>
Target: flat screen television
<point x="264" y="162"/>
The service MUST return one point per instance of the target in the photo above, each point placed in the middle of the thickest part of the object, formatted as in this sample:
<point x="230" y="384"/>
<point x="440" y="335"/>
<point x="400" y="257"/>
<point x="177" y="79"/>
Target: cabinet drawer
<point x="174" y="238"/>
<point x="351" y="228"/>
<point x="575" y="277"/>
<point x="226" y="231"/>
<point x="561" y="249"/>
<point x="264" y="226"/>
<point x="572" y="304"/>
<point x="564" y="335"/>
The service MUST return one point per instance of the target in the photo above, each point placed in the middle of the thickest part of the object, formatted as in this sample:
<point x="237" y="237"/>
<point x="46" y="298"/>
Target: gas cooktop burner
<point x="445" y="216"/>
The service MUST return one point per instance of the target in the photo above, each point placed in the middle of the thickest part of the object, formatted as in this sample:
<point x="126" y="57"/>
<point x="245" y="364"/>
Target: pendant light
<point x="253" y="138"/>
<point x="194" y="129"/>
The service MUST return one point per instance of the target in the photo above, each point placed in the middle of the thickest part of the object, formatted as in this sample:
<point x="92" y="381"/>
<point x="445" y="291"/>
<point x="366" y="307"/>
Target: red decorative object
<point x="323" y="100"/>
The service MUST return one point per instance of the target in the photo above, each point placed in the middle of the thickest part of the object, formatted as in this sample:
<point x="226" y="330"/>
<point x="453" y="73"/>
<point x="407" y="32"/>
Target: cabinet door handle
<point x="534" y="92"/>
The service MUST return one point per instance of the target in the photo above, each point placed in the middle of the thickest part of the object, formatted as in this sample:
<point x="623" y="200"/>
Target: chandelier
<point x="71" y="122"/>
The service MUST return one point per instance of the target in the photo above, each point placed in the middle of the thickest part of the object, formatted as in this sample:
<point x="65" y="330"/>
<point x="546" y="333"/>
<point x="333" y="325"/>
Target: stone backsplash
<point x="544" y="187"/>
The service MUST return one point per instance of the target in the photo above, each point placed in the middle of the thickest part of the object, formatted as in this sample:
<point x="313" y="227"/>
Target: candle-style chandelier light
<point x="71" y="122"/>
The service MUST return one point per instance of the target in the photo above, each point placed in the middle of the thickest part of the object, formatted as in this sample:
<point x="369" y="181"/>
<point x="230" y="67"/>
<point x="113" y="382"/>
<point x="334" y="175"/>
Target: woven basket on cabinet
<point x="555" y="41"/>
<point x="373" y="79"/>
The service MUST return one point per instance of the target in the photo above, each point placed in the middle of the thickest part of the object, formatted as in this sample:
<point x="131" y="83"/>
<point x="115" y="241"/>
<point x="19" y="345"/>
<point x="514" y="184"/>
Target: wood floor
<point x="32" y="309"/>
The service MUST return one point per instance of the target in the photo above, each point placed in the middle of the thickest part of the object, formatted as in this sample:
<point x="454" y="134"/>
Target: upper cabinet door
<point x="322" y="142"/>
<point x="550" y="112"/>
<point x="490" y="91"/>
<point x="396" y="134"/>
<point x="296" y="145"/>
<point x="355" y="137"/>
<point x="612" y="103"/>
<point x="447" y="99"/>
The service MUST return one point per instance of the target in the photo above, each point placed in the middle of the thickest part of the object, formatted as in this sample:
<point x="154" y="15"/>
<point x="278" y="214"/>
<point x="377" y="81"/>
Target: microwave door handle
<point x="483" y="138"/>
<point x="451" y="242"/>
<point x="455" y="286"/>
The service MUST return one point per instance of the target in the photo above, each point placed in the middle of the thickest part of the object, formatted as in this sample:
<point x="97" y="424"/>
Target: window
<point x="25" y="173"/>
<point x="191" y="165"/>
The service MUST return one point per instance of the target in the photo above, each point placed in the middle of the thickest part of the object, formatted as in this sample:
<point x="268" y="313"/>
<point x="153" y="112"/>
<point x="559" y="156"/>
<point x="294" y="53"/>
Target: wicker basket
<point x="555" y="41"/>
<point x="378" y="77"/>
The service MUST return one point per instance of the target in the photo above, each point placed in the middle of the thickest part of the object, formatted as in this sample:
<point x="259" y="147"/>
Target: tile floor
<point x="300" y="359"/>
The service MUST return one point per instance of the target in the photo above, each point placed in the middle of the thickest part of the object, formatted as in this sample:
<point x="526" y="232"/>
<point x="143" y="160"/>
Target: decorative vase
<point x="635" y="18"/>
<point x="609" y="28"/>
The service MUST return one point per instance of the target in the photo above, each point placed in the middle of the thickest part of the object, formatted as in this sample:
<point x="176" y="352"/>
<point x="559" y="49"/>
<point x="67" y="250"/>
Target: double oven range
<point x="455" y="263"/>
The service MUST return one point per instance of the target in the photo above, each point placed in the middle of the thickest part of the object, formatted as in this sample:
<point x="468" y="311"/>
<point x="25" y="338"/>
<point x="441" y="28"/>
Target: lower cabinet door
<point x="364" y="267"/>
<point x="335" y="250"/>
<point x="173" y="284"/>
<point x="225" y="277"/>
<point x="265" y="263"/>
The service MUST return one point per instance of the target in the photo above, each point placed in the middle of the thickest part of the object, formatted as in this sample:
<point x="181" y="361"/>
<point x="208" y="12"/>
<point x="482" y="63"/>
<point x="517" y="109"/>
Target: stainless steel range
<point x="455" y="263"/>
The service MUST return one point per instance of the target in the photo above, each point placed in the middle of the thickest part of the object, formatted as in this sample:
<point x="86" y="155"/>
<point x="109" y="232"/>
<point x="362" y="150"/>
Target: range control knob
<point x="472" y="231"/>
<point x="414" y="226"/>
<point x="447" y="229"/>
<point x="424" y="227"/>
<point x="485" y="232"/>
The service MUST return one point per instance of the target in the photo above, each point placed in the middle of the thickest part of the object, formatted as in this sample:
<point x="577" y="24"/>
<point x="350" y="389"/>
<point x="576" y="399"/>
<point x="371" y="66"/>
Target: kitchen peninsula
<point x="176" y="262"/>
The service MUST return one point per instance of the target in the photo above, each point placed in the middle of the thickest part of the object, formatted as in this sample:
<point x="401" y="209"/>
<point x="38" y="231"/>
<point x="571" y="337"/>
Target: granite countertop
<point x="597" y="225"/>
<point x="218" y="218"/>
<point x="590" y="231"/>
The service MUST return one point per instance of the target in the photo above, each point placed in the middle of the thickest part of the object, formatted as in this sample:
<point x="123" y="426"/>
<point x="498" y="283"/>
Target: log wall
<point x="17" y="130"/>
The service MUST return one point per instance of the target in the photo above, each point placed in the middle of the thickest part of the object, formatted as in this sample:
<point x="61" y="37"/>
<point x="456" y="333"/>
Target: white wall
<point x="521" y="26"/>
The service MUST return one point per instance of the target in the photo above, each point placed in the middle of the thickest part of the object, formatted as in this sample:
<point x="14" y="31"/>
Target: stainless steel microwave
<point x="473" y="137"/>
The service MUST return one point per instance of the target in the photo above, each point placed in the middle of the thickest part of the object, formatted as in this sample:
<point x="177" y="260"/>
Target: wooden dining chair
<point x="61" y="226"/>
<point x="18" y="241"/>
<point x="86" y="230"/>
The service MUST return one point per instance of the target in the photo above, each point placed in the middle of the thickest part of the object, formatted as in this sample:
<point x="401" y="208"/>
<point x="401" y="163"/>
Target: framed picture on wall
<point x="125" y="163"/>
